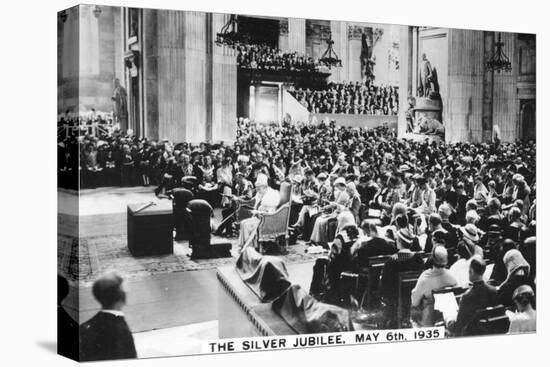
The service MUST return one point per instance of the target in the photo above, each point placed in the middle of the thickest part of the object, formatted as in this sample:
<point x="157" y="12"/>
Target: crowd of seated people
<point x="448" y="211"/>
<point x="359" y="98"/>
<point x="263" y="57"/>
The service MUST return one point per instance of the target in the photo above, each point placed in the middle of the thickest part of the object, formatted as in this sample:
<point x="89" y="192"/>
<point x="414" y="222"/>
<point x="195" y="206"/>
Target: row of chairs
<point x="367" y="285"/>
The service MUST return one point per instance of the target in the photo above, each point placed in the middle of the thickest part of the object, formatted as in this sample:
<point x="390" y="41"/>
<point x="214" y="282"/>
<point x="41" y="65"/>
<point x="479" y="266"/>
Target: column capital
<point x="283" y="26"/>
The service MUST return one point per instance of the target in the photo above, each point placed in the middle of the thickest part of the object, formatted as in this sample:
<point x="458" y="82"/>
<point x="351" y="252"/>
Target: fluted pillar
<point x="339" y="34"/>
<point x="297" y="35"/>
<point x="405" y="76"/>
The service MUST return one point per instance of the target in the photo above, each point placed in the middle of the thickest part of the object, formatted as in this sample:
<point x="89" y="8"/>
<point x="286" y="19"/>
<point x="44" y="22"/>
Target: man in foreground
<point x="107" y="335"/>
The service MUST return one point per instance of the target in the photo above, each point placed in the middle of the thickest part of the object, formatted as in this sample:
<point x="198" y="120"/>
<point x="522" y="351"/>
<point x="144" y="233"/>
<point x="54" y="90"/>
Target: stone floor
<point x="172" y="300"/>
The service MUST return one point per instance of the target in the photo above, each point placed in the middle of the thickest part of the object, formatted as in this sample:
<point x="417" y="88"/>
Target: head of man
<point x="369" y="228"/>
<point x="444" y="212"/>
<point x="108" y="290"/>
<point x="494" y="206"/>
<point x="477" y="268"/>
<point x="439" y="257"/>
<point x="434" y="221"/>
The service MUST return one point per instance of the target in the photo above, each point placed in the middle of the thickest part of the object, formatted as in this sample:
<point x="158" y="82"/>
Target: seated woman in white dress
<point x="319" y="235"/>
<point x="265" y="201"/>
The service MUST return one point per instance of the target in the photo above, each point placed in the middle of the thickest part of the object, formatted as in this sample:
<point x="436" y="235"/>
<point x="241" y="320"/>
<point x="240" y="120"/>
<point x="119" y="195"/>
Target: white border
<point x="28" y="87"/>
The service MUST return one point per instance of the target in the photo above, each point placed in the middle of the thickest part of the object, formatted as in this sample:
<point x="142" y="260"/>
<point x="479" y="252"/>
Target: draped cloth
<point x="266" y="276"/>
<point x="306" y="315"/>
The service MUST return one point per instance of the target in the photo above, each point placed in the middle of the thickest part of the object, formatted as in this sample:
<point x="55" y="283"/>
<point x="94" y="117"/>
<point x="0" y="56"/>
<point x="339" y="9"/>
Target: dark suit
<point x="480" y="296"/>
<point x="67" y="334"/>
<point x="506" y="289"/>
<point x="106" y="336"/>
<point x="376" y="246"/>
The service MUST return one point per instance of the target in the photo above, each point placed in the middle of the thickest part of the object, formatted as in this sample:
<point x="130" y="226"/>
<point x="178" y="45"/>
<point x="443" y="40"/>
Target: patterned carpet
<point x="99" y="254"/>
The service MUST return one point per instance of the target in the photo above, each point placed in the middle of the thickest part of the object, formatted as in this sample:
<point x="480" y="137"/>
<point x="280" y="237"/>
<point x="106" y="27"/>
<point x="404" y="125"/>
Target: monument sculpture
<point x="424" y="114"/>
<point x="120" y="105"/>
<point x="367" y="61"/>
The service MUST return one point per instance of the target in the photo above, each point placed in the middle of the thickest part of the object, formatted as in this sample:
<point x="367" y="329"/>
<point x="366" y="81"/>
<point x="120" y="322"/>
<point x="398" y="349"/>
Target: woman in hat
<point x="524" y="320"/>
<point x="353" y="204"/>
<point x="481" y="194"/>
<point x="471" y="239"/>
<point x="319" y="234"/>
<point x="387" y="198"/>
<point x="266" y="201"/>
<point x="518" y="274"/>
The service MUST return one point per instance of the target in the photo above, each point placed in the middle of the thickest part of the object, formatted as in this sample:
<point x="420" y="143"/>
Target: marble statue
<point x="120" y="105"/>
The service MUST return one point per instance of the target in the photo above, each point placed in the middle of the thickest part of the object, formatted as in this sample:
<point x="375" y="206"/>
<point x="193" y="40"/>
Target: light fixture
<point x="329" y="58"/>
<point x="97" y="11"/>
<point x="228" y="34"/>
<point x="499" y="61"/>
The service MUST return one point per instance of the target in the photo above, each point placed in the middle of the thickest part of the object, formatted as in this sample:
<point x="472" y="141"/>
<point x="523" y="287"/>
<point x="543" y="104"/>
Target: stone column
<point x="339" y="34"/>
<point x="283" y="34"/>
<point x="150" y="73"/>
<point x="488" y="86"/>
<point x="405" y="77"/>
<point x="297" y="35"/>
<point x="354" y="53"/>
<point x="505" y="96"/>
<point x="223" y="86"/>
<point x="463" y="98"/>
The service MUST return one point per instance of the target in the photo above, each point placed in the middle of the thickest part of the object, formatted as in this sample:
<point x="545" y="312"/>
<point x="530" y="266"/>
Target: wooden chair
<point x="243" y="210"/>
<point x="406" y="282"/>
<point x="274" y="226"/>
<point x="492" y="320"/>
<point x="457" y="291"/>
<point x="374" y="273"/>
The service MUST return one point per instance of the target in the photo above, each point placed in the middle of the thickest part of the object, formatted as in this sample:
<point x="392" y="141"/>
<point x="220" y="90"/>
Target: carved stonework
<point x="317" y="31"/>
<point x="355" y="32"/>
<point x="325" y="32"/>
<point x="376" y="35"/>
<point x="283" y="27"/>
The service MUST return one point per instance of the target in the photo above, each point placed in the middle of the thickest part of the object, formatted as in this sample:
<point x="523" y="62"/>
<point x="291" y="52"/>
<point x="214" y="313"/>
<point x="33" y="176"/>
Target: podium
<point x="150" y="230"/>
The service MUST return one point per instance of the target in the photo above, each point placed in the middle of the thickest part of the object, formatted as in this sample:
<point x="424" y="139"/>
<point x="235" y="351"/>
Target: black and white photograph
<point x="227" y="177"/>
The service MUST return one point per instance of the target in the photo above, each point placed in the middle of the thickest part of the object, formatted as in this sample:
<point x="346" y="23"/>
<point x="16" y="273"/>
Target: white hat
<point x="261" y="180"/>
<point x="340" y="181"/>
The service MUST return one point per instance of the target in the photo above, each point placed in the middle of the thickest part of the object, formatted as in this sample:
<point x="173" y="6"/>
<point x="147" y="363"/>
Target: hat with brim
<point x="523" y="291"/>
<point x="340" y="181"/>
<point x="470" y="232"/>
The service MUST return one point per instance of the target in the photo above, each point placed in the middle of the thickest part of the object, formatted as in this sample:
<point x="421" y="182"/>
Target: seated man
<point x="107" y="335"/>
<point x="403" y="260"/>
<point x="422" y="300"/>
<point x="479" y="297"/>
<point x="373" y="246"/>
<point x="265" y="201"/>
<point x="243" y="191"/>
